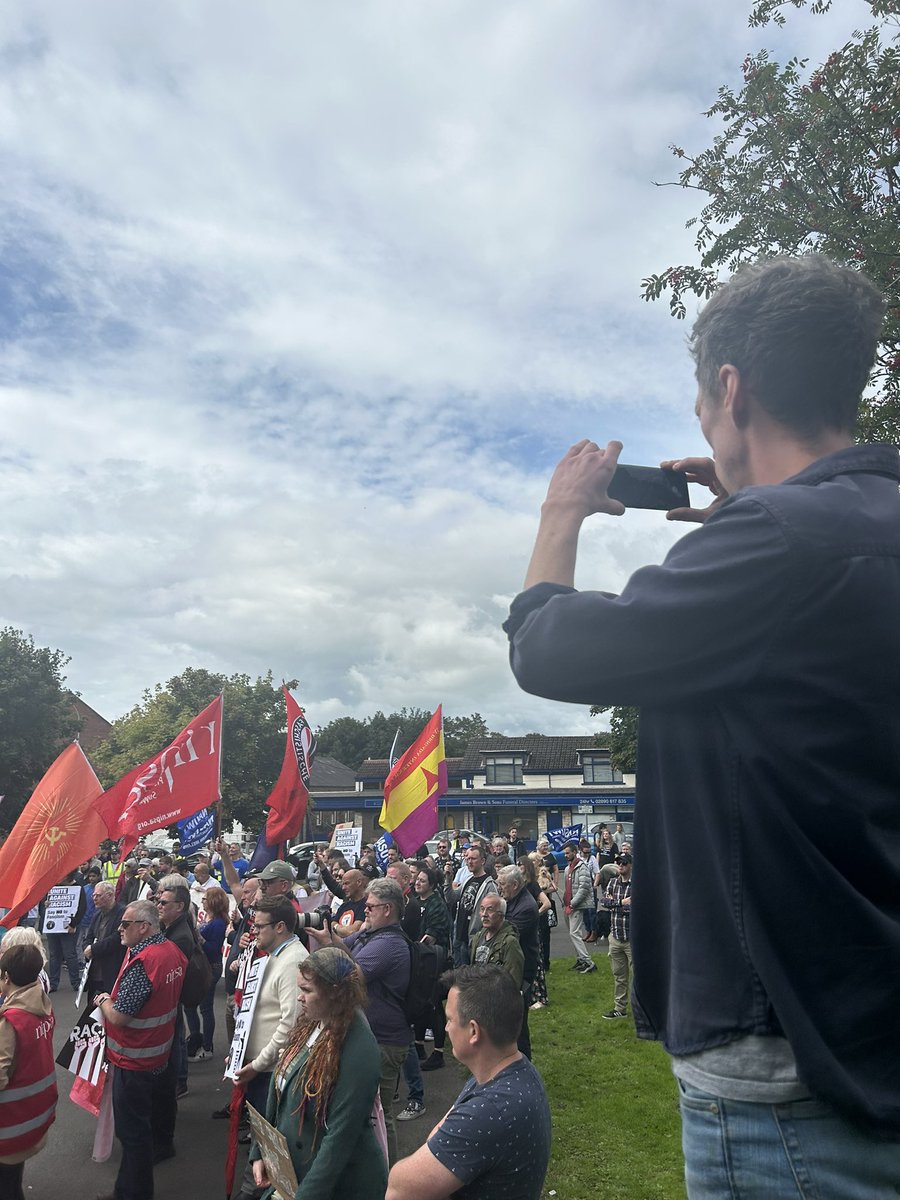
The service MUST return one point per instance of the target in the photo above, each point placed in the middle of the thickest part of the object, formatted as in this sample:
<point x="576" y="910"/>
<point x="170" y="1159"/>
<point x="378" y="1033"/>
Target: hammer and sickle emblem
<point x="54" y="834"/>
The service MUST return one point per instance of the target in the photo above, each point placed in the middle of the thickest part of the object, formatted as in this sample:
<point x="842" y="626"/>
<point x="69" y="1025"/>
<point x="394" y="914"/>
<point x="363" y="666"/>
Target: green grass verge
<point x="616" y="1127"/>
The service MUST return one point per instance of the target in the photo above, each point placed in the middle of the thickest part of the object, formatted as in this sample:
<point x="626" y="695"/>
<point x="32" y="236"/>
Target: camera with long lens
<point x="319" y="918"/>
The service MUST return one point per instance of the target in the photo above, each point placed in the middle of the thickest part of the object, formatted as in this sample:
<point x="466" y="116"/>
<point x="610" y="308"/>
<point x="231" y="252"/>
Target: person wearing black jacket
<point x="173" y="900"/>
<point x="103" y="947"/>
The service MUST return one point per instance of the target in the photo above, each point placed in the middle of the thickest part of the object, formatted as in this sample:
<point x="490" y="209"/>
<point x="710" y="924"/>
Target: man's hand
<point x="86" y="954"/>
<point x="698" y="470"/>
<point x="246" y="1074"/>
<point x="260" y="1174"/>
<point x="324" y="937"/>
<point x="581" y="478"/>
<point x="577" y="489"/>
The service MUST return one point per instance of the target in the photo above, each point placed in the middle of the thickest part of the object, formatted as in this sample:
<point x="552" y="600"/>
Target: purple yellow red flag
<point x="413" y="787"/>
<point x="290" y="795"/>
<point x="58" y="829"/>
<point x="175" y="784"/>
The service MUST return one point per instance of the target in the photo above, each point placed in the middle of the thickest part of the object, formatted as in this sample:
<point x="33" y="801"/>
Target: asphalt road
<point x="65" y="1171"/>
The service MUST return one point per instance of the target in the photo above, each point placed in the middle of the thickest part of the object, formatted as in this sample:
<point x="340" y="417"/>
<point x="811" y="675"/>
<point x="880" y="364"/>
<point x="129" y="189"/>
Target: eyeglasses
<point x="163" y="903"/>
<point x="263" y="924"/>
<point x="369" y="907"/>
<point x="125" y="924"/>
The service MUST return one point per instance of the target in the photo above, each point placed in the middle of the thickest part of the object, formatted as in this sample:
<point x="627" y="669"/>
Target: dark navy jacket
<point x="764" y="654"/>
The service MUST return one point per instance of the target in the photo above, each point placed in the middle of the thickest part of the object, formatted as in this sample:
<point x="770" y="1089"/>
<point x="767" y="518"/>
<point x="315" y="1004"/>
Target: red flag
<point x="58" y="829"/>
<point x="290" y="795"/>
<point x="175" y="784"/>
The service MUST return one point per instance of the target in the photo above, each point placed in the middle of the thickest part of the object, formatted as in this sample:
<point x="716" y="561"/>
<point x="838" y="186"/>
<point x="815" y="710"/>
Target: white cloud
<point x="300" y="304"/>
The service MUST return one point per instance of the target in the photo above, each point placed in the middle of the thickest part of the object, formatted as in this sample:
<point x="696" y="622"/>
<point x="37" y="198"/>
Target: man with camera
<point x="351" y="891"/>
<point x="763" y="654"/>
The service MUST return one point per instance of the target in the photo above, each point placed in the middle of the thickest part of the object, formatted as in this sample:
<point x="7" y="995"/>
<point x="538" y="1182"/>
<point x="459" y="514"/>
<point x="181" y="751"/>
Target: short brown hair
<point x="22" y="964"/>
<point x="280" y="909"/>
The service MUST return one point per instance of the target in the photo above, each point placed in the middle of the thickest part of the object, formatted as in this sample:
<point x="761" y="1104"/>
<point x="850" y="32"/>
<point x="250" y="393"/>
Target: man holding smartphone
<point x="764" y="654"/>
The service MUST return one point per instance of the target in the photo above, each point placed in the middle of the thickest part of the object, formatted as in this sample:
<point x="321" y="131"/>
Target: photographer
<point x="351" y="891"/>
<point x="382" y="953"/>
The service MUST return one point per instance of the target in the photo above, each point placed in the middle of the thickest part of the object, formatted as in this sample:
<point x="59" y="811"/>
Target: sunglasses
<point x="125" y="924"/>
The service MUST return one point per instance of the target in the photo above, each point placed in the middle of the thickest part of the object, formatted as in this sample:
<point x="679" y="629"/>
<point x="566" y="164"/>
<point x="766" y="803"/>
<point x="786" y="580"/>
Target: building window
<point x="503" y="769"/>
<point x="596" y="769"/>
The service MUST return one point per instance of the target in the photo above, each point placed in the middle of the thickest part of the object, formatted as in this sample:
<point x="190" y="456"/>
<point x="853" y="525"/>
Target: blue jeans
<point x="206" y="1011"/>
<point x="737" y="1150"/>
<point x="412" y="1075"/>
<point x="60" y="947"/>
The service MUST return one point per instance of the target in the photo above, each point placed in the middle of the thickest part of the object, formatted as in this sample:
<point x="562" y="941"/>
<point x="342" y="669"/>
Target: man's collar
<point x="154" y="940"/>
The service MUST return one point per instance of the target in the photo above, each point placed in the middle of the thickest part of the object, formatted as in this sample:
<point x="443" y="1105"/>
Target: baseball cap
<point x="278" y="870"/>
<point x="146" y="862"/>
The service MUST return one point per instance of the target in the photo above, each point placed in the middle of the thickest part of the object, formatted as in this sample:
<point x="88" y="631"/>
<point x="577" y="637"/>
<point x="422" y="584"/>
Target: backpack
<point x="197" y="977"/>
<point x="427" y="963"/>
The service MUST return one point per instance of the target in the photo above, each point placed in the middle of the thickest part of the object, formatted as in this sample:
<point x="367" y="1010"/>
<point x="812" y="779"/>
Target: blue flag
<point x="381" y="848"/>
<point x="194" y="832"/>
<point x="558" y="837"/>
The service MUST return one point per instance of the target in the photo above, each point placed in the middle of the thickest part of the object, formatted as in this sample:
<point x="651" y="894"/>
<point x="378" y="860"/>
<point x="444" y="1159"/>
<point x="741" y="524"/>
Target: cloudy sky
<point x="299" y="305"/>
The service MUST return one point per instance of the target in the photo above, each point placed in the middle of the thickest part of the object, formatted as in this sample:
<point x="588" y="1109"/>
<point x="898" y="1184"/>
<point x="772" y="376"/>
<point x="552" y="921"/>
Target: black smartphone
<point x="649" y="487"/>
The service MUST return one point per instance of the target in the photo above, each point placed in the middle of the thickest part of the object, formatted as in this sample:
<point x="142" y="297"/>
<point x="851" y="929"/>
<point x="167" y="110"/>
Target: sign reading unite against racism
<point x="348" y="839"/>
<point x="62" y="905"/>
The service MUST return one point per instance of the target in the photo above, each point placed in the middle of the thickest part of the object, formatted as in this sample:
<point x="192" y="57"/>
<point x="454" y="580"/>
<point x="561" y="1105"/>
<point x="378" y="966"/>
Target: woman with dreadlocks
<point x="325" y="1085"/>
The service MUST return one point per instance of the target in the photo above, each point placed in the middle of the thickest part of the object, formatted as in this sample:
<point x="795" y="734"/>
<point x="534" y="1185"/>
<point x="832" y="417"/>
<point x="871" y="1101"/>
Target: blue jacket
<point x="764" y="654"/>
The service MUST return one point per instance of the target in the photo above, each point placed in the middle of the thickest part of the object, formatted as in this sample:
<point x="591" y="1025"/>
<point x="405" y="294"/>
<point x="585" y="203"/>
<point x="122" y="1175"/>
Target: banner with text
<point x="568" y="833"/>
<point x="196" y="831"/>
<point x="173" y="785"/>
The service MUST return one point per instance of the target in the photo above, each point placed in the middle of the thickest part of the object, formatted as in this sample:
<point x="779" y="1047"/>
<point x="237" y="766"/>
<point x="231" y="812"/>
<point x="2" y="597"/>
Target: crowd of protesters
<point x="331" y="1053"/>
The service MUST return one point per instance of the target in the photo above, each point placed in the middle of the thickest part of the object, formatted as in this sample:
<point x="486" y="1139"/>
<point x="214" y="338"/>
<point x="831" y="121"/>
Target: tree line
<point x="38" y="717"/>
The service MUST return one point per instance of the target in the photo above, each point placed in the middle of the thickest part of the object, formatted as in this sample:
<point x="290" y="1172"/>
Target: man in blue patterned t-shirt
<point x="494" y="1143"/>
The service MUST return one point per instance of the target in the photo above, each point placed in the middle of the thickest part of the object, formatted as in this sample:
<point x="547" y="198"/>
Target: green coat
<point x="504" y="950"/>
<point x="348" y="1160"/>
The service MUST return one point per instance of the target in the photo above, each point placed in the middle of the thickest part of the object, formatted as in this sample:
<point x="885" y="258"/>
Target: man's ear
<point x="735" y="398"/>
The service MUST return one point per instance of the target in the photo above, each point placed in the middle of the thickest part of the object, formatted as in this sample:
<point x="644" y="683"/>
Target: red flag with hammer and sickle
<point x="58" y="829"/>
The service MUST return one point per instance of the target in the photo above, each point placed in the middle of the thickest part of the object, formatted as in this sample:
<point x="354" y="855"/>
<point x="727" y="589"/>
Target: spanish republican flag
<point x="413" y="787"/>
<point x="58" y="829"/>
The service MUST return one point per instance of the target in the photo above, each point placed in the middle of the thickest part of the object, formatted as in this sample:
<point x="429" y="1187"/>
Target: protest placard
<point x="84" y="1051"/>
<point x="348" y="839"/>
<point x="275" y="1154"/>
<point x="249" y="980"/>
<point x="62" y="905"/>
